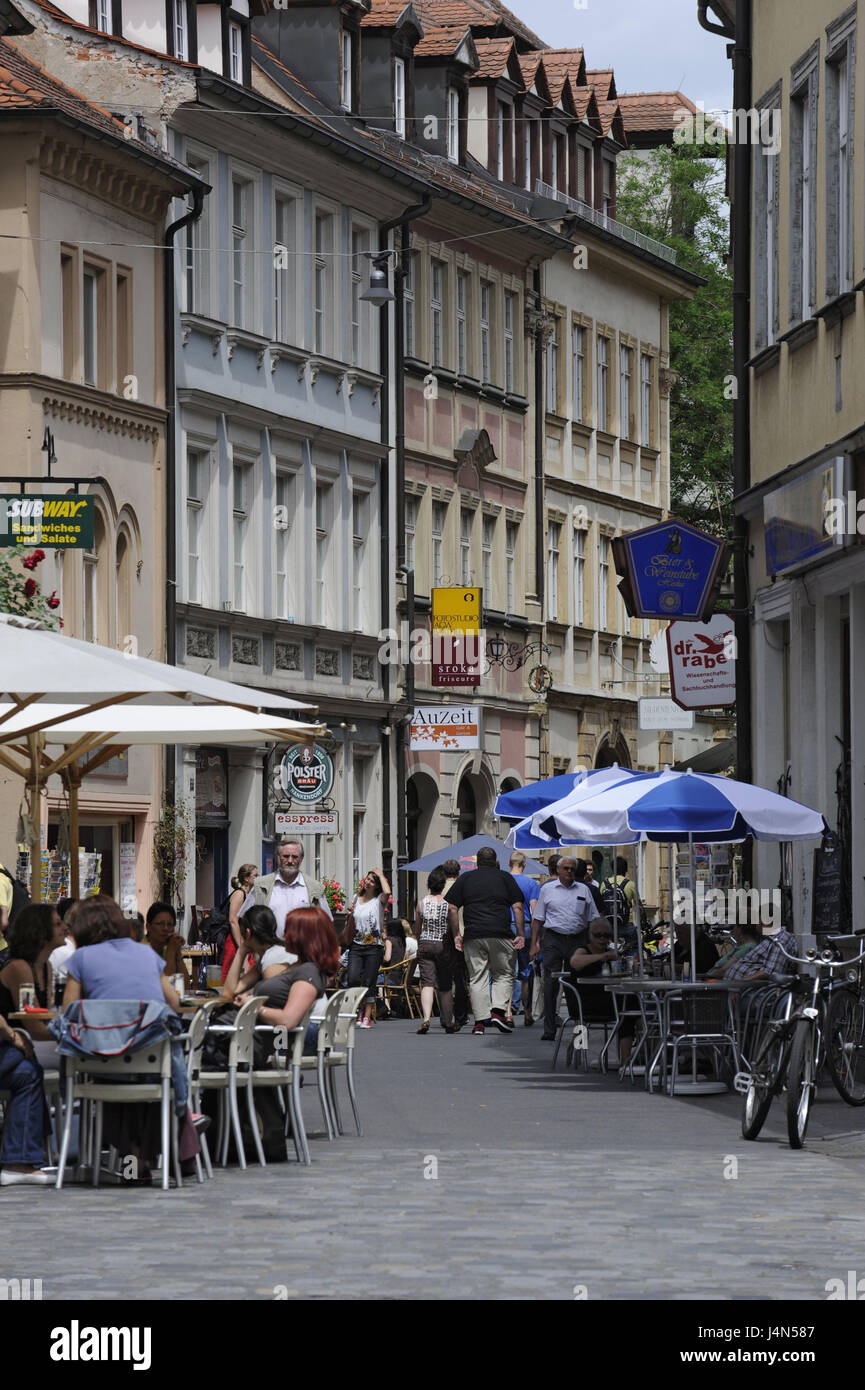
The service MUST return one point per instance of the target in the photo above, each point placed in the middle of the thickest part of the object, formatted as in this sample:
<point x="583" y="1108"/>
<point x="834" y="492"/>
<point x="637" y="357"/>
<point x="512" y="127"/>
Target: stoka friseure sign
<point x="55" y="522"/>
<point x="306" y="773"/>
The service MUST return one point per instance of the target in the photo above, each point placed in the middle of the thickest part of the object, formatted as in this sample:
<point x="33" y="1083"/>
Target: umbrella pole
<point x="693" y="907"/>
<point x="640" y="856"/>
<point x="74" y="782"/>
<point x="615" y="908"/>
<point x="36" y="820"/>
<point x="672" y="875"/>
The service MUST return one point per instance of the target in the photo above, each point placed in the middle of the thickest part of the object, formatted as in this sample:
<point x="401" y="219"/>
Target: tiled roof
<point x="603" y="81"/>
<point x="59" y="15"/>
<point x="493" y="55"/>
<point x="441" y="43"/>
<point x="529" y="63"/>
<point x="480" y="14"/>
<point x="24" y="86"/>
<point x="611" y="120"/>
<point x="653" y="111"/>
<point x="567" y="60"/>
<point x="384" y="14"/>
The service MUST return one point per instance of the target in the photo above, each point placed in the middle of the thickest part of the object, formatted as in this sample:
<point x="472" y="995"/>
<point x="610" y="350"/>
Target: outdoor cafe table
<point x="664" y="991"/>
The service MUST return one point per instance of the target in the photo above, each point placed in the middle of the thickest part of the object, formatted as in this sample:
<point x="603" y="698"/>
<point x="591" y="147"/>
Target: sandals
<point x="424" y="1028"/>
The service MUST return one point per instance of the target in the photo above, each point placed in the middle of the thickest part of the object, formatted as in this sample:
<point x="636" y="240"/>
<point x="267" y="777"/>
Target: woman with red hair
<point x="309" y="934"/>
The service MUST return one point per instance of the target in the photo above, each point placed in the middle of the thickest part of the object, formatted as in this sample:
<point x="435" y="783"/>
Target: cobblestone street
<point x="547" y="1184"/>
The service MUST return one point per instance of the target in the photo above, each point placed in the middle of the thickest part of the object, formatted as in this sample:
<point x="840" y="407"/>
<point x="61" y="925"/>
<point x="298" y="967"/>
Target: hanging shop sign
<point x="657" y="712"/>
<point x="799" y="521"/>
<point x="306" y="822"/>
<point x="306" y="774"/>
<point x="42" y="519"/>
<point x="445" y="727"/>
<point x="456" y="636"/>
<point x="671" y="570"/>
<point x="702" y="662"/>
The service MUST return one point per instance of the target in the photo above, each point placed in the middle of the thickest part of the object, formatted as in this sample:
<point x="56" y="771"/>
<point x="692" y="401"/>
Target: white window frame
<point x="361" y="523"/>
<point x="488" y="540"/>
<point x="552" y="369"/>
<point x="579" y="577"/>
<point x="439" y="522"/>
<point x="399" y="97"/>
<point x="346" y="64"/>
<point x="361" y="326"/>
<point x="500" y="140"/>
<point x="412" y="507"/>
<point x="645" y="400"/>
<point x="512" y="530"/>
<point x="603" y="383"/>
<point x="409" y="307"/>
<point x="486" y="317"/>
<point x="463" y="290"/>
<point x="325" y="505"/>
<point x="243" y="244"/>
<point x="626" y="369"/>
<point x="92" y="328"/>
<point x="103" y="16"/>
<point x="578" y="369"/>
<point x="438" y="271"/>
<point x="324" y="297"/>
<point x="242" y="507"/>
<point x="466" y="522"/>
<point x="453" y="125"/>
<point x="527" y="152"/>
<point x="603" y="582"/>
<point x="180" y="22"/>
<point x="286" y="485"/>
<point x="235" y="51"/>
<point x="554" y="532"/>
<point x="285" y="298"/>
<point x="509" y="319"/>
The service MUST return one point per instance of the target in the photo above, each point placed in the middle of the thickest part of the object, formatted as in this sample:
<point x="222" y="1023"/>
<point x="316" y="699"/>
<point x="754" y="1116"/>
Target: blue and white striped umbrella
<point x="681" y="806"/>
<point x="537" y="832"/>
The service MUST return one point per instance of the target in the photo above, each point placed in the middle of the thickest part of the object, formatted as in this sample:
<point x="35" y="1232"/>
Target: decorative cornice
<point x="79" y="166"/>
<point x="100" y="418"/>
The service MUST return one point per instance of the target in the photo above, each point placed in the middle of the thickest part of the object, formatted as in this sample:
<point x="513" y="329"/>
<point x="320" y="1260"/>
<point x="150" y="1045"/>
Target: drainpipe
<point x="171" y="450"/>
<point x="398" y="723"/>
<point x="740" y="53"/>
<point x="539" y="443"/>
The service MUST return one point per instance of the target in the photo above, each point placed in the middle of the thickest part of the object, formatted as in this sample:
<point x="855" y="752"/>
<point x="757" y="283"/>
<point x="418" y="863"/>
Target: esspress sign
<point x="703" y="662"/>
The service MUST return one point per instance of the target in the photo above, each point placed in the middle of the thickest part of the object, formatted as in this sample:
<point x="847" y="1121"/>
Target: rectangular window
<point x="439" y="511"/>
<point x="645" y="399"/>
<point x="579" y="577"/>
<point x="101" y="15"/>
<point x="241" y="211"/>
<point x="181" y="29"/>
<point x="93" y="323"/>
<point x="91" y="596"/>
<point x="123" y="328"/>
<point x="360" y="521"/>
<point x="500" y="140"/>
<point x="361" y="768"/>
<point x="285" y="268"/>
<point x="486" y="315"/>
<point x="465" y="546"/>
<point x="346" y="66"/>
<point x="582" y="161"/>
<point x="553" y="533"/>
<point x="607" y="206"/>
<point x="510" y="318"/>
<point x="323" y="525"/>
<point x="323" y="281"/>
<point x="196" y="243"/>
<point x="235" y="52"/>
<point x="399" y="97"/>
<point x="840" y="87"/>
<point x="487" y="540"/>
<point x="409" y="306"/>
<point x="511" y="531"/>
<point x="359" y="308"/>
<point x="411" y="510"/>
<point x="603" y="581"/>
<point x="453" y="125"/>
<point x="626" y="368"/>
<point x="578" y="349"/>
<point x="240" y="481"/>
<point x="462" y="328"/>
<point x="67" y="310"/>
<point x="553" y="369"/>
<point x="437" y="274"/>
<point x="527" y="154"/>
<point x="603" y="376"/>
<point x="765" y="223"/>
<point x="285" y="504"/>
<point x="197" y="469"/>
<point x="554" y="160"/>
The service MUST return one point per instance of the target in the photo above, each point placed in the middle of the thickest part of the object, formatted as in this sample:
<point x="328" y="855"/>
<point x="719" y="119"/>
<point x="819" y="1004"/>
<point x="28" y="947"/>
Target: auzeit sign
<point x="445" y="727"/>
<point x="55" y="522"/>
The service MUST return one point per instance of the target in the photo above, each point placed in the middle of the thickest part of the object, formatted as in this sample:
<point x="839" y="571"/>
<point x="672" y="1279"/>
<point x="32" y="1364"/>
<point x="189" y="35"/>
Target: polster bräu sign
<point x="703" y="662"/>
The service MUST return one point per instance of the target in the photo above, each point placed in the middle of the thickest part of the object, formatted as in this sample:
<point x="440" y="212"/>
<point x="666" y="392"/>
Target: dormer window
<point x="106" y="16"/>
<point x="236" y="58"/>
<point x="181" y="29"/>
<point x="347" y="58"/>
<point x="399" y="97"/>
<point x="235" y="52"/>
<point x="453" y="125"/>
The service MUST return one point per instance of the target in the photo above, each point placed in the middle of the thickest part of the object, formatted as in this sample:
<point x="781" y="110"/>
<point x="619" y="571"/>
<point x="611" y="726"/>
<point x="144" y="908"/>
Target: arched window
<point x="124" y="574"/>
<point x="95" y="606"/>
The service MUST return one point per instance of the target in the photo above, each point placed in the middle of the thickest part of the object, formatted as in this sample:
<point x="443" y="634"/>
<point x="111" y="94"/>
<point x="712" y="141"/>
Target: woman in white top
<point x="435" y="953"/>
<point x="258" y="937"/>
<point x="366" y="931"/>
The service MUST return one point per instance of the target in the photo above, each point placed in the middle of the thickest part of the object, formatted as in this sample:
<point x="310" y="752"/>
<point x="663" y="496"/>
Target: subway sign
<point x="62" y="523"/>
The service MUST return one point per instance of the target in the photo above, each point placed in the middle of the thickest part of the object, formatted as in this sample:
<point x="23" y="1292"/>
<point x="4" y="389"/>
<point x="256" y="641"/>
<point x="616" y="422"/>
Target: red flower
<point x="61" y="622"/>
<point x="30" y="587"/>
<point x="37" y="556"/>
<point x="30" y="563"/>
<point x="54" y="601"/>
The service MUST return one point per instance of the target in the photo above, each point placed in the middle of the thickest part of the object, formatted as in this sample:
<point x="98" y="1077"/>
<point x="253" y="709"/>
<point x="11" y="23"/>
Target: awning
<point x="719" y="758"/>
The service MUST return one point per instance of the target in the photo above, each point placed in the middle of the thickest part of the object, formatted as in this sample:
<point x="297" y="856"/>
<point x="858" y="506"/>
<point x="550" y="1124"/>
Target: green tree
<point x="677" y="195"/>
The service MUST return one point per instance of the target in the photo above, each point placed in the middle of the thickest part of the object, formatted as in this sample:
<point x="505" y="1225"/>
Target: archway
<point x="421" y="798"/>
<point x="613" y="749"/>
<point x="467" y="810"/>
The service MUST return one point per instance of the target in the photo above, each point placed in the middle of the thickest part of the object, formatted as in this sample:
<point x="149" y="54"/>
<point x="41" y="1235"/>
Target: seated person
<point x="591" y="953"/>
<point x="25" y="1121"/>
<point x="767" y="957"/>
<point x="706" y="953"/>
<point x="258" y="939"/>
<point x="746" y="935"/>
<point x="35" y="933"/>
<point x="161" y="936"/>
<point x="60" y="955"/>
<point x="396" y="935"/>
<point x="309" y="935"/>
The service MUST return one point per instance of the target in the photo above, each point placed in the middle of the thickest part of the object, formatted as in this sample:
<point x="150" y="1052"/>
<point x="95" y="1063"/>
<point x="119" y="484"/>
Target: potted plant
<point x="336" y="900"/>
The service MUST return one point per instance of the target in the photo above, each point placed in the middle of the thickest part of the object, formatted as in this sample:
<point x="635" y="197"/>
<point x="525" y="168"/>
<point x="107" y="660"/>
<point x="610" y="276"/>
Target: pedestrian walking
<point x="366" y="932"/>
<point x="241" y="885"/>
<point x="288" y="888"/>
<point x="523" y="981"/>
<point x="453" y="870"/>
<point x="486" y="896"/>
<point x="564" y="909"/>
<point x="435" y="953"/>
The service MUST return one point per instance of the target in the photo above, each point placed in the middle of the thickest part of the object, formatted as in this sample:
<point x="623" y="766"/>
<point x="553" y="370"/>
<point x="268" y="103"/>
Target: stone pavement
<point x="548" y="1186"/>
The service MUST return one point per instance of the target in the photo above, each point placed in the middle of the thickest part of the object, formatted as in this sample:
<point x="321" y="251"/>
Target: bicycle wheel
<point x="763" y="1083"/>
<point x="845" y="1045"/>
<point x="800" y="1082"/>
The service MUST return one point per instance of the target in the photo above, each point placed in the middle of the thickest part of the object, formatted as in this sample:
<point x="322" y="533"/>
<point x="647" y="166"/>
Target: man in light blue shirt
<point x="522" y="978"/>
<point x="564" y="908"/>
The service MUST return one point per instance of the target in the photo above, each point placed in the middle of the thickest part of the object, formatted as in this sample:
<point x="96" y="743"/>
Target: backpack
<point x="20" y="894"/>
<point x="214" y="928"/>
<point x="615" y="901"/>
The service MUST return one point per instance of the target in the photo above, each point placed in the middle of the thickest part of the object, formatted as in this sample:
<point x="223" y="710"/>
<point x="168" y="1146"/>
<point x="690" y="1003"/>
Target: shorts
<point x="436" y="961"/>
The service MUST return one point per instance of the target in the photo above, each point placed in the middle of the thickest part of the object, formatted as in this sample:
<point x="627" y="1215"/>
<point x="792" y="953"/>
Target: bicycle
<point x="793" y="1049"/>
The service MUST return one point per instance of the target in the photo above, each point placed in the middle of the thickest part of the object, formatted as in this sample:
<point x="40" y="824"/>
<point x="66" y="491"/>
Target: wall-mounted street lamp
<point x="378" y="292"/>
<point x="48" y="448"/>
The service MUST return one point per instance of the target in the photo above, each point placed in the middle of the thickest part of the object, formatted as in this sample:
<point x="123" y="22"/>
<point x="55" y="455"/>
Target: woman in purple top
<point x="107" y="964"/>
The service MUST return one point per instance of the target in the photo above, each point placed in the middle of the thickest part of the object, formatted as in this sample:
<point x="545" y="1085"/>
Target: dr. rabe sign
<point x="57" y="522"/>
<point x="703" y="662"/>
<point x="670" y="570"/>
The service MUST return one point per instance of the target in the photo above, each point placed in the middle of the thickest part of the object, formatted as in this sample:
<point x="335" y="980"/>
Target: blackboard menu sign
<point x="827" y="896"/>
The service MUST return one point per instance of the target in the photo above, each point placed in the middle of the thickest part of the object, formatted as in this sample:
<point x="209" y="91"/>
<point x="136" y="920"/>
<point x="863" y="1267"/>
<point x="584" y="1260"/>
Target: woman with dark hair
<point x="366" y="932"/>
<point x="108" y="964"/>
<point x="309" y="935"/>
<point x="258" y="939"/>
<point x="161" y="936"/>
<point x="435" y="953"/>
<point x="241" y="886"/>
<point x="35" y="933"/>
